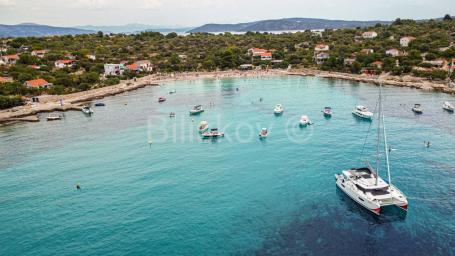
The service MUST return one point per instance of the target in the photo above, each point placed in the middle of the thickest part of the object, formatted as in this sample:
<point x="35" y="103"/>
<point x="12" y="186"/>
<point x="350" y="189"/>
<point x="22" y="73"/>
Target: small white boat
<point x="278" y="110"/>
<point x="196" y="110"/>
<point x="418" y="109"/>
<point x="203" y="126"/>
<point x="173" y="91"/>
<point x="263" y="133"/>
<point x="87" y="110"/>
<point x="447" y="106"/>
<point x="362" y="112"/>
<point x="327" y="111"/>
<point x="53" y="117"/>
<point x="304" y="120"/>
<point x="213" y="133"/>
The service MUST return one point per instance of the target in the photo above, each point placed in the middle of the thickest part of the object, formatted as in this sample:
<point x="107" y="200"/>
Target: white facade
<point x="113" y="69"/>
<point x="404" y="41"/>
<point x="321" y="47"/>
<point x="369" y="34"/>
<point x="393" y="52"/>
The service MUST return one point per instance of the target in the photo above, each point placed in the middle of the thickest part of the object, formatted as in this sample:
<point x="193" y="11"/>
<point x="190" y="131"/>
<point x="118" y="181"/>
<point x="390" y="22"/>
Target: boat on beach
<point x="365" y="186"/>
<point x="418" y="109"/>
<point x="304" y="121"/>
<point x="212" y="134"/>
<point x="362" y="112"/>
<point x="87" y="110"/>
<point x="263" y="133"/>
<point x="161" y="99"/>
<point x="278" y="110"/>
<point x="203" y="126"/>
<point x="448" y="106"/>
<point x="53" y="117"/>
<point x="327" y="111"/>
<point x="196" y="110"/>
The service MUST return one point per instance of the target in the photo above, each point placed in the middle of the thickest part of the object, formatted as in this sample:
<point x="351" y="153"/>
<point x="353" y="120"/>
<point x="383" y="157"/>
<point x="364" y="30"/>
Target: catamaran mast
<point x="386" y="150"/>
<point x="379" y="135"/>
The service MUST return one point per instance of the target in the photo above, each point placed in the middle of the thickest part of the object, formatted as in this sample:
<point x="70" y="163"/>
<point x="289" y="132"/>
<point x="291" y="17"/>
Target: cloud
<point x="152" y="4"/>
<point x="91" y="4"/>
<point x="7" y="3"/>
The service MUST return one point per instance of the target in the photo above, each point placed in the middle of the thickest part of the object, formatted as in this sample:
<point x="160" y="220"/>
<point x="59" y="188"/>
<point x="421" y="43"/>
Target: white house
<point x="321" y="47"/>
<point x="64" y="63"/>
<point x="367" y="51"/>
<point x="266" y="56"/>
<point x="369" y="34"/>
<point x="349" y="61"/>
<point x="113" y="69"/>
<point x="91" y="57"/>
<point x="10" y="59"/>
<point x="393" y="52"/>
<point x="144" y="65"/>
<point x="39" y="53"/>
<point x="321" y="57"/>
<point x="404" y="41"/>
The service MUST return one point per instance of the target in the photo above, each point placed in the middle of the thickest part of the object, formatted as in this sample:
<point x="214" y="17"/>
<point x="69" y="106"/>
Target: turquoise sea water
<point x="238" y="195"/>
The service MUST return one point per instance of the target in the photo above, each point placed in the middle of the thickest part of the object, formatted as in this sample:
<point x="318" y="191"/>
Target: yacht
<point x="196" y="110"/>
<point x="417" y="109"/>
<point x="278" y="109"/>
<point x="53" y="117"/>
<point x="203" y="126"/>
<point x="213" y="133"/>
<point x="263" y="133"/>
<point x="304" y="120"/>
<point x="161" y="99"/>
<point x="362" y="112"/>
<point x="327" y="111"/>
<point x="87" y="110"/>
<point x="365" y="186"/>
<point x="447" y="106"/>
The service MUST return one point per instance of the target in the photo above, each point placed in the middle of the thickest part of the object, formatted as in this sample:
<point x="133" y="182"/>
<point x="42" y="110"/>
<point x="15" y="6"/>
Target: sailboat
<point x="365" y="186"/>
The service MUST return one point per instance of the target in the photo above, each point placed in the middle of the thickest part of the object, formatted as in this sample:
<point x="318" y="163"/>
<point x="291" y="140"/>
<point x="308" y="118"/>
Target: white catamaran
<point x="365" y="186"/>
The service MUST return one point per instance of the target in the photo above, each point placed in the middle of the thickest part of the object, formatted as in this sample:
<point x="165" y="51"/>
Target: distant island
<point x="37" y="30"/>
<point x="286" y="25"/>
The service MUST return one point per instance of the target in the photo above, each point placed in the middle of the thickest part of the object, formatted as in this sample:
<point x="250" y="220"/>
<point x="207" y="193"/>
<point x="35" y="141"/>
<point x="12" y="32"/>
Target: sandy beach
<point x="74" y="101"/>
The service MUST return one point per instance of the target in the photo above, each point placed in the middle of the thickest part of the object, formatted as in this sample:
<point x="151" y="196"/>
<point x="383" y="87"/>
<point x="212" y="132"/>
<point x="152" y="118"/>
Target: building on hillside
<point x="4" y="79"/>
<point x="35" y="67"/>
<point x="183" y="56"/>
<point x="69" y="56"/>
<point x="64" y="63"/>
<point x="10" y="59"/>
<point x="266" y="56"/>
<point x="321" y="57"/>
<point x="404" y="41"/>
<point x="367" y="51"/>
<point x="377" y="64"/>
<point x="24" y="48"/>
<point x="113" y="69"/>
<point x="90" y="57"/>
<point x="246" y="67"/>
<point x="369" y="34"/>
<point x="436" y="63"/>
<point x="321" y="47"/>
<point x="144" y="65"/>
<point x="393" y="52"/>
<point x="302" y="45"/>
<point x="317" y="32"/>
<point x="38" y="83"/>
<point x="257" y="51"/>
<point x="132" y="67"/>
<point x="39" y="53"/>
<point x="349" y="61"/>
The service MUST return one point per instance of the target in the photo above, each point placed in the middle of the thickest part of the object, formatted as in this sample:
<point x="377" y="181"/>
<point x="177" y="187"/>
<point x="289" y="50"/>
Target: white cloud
<point x="92" y="4"/>
<point x="152" y="4"/>
<point x="7" y="3"/>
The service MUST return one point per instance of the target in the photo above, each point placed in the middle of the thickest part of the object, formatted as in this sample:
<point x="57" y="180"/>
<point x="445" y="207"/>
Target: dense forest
<point x="348" y="51"/>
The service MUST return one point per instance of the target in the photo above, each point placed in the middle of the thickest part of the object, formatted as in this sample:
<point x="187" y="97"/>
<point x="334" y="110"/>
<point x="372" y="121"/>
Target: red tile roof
<point x="5" y="79"/>
<point x="12" y="56"/>
<point x="36" y="83"/>
<point x="266" y="54"/>
<point x="133" y="66"/>
<point x="64" y="61"/>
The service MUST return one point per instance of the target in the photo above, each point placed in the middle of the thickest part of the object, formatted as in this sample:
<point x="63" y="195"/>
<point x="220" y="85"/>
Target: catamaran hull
<point x="367" y="204"/>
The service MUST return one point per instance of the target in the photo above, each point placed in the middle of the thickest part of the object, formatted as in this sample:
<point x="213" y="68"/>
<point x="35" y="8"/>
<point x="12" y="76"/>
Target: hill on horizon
<point x="286" y="24"/>
<point x="31" y="29"/>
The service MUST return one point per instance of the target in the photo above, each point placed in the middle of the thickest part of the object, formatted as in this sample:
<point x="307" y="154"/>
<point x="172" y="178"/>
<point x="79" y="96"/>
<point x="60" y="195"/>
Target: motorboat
<point x="87" y="110"/>
<point x="327" y="111"/>
<point x="278" y="110"/>
<point x="100" y="104"/>
<point x="418" y="109"/>
<point x="213" y="133"/>
<point x="53" y="117"/>
<point x="161" y="99"/>
<point x="447" y="106"/>
<point x="304" y="120"/>
<point x="203" y="126"/>
<point x="263" y="133"/>
<point x="365" y="186"/>
<point x="172" y="114"/>
<point x="173" y="91"/>
<point x="362" y="112"/>
<point x="196" y="110"/>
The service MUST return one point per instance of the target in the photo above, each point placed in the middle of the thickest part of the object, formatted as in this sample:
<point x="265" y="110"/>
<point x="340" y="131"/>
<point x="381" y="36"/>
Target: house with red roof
<point x="266" y="56"/>
<point x="257" y="51"/>
<point x="64" y="63"/>
<point x="377" y="64"/>
<point x="132" y="67"/>
<point x="10" y="59"/>
<point x="38" y="83"/>
<point x="4" y="79"/>
<point x="321" y="47"/>
<point x="393" y="52"/>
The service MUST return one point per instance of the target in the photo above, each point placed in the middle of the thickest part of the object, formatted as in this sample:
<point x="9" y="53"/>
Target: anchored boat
<point x="213" y="133"/>
<point x="196" y="110"/>
<point x="87" y="110"/>
<point x="418" y="109"/>
<point x="161" y="99"/>
<point x="365" y="186"/>
<point x="278" y="110"/>
<point x="362" y="112"/>
<point x="304" y="120"/>
<point x="327" y="111"/>
<point x="203" y="126"/>
<point x="447" y="106"/>
<point x="53" y="117"/>
<point x="263" y="133"/>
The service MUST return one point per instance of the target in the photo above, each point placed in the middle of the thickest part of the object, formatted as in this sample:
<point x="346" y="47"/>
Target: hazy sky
<point x="198" y="12"/>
